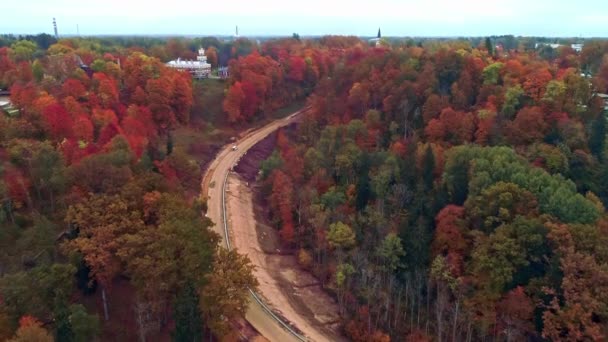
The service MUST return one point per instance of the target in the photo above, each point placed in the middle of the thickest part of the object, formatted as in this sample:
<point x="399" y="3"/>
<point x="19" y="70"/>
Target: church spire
<point x="379" y="34"/>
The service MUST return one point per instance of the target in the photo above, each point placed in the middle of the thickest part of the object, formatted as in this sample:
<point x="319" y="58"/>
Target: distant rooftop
<point x="198" y="68"/>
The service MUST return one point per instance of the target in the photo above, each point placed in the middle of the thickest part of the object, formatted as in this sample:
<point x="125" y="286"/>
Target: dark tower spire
<point x="55" y="29"/>
<point x="379" y="34"/>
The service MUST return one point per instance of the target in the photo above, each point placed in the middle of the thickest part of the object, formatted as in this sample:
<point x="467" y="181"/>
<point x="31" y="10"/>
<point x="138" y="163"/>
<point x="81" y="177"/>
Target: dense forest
<point x="101" y="155"/>
<point x="102" y="150"/>
<point x="446" y="190"/>
<point x="452" y="192"/>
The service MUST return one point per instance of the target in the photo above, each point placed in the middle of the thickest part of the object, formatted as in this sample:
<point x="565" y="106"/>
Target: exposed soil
<point x="243" y="331"/>
<point x="292" y="292"/>
<point x="249" y="166"/>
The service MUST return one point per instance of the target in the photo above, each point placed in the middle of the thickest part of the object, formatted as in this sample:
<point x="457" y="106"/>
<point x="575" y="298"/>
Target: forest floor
<point x="292" y="292"/>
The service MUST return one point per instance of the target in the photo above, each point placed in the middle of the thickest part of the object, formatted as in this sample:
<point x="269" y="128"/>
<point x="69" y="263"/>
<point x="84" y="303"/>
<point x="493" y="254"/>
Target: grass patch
<point x="285" y="111"/>
<point x="208" y="97"/>
<point x="200" y="144"/>
<point x="183" y="137"/>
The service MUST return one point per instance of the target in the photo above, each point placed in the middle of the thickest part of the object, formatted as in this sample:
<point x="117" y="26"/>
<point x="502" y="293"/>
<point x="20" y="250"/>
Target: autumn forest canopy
<point x="449" y="190"/>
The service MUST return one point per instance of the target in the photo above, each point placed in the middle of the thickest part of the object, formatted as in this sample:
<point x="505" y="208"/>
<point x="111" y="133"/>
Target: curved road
<point x="213" y="187"/>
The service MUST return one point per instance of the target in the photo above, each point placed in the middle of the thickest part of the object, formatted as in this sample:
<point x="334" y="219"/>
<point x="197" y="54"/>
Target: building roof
<point x="188" y="64"/>
<point x="199" y="63"/>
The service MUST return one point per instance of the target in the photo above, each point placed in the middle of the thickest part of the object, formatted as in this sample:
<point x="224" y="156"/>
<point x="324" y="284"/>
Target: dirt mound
<point x="249" y="165"/>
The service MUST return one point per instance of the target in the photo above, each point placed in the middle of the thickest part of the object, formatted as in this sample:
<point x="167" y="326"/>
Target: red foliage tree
<point x="281" y="200"/>
<point x="435" y="130"/>
<point x="139" y="129"/>
<point x="251" y="102"/>
<point x="486" y="121"/>
<point x="73" y="88"/>
<point x="73" y="106"/>
<point x="449" y="239"/>
<point x="139" y="96"/>
<point x="83" y="128"/>
<point x="297" y="66"/>
<point x="107" y="90"/>
<point x="454" y="127"/>
<point x="58" y="122"/>
<point x="103" y="117"/>
<point x="182" y="99"/>
<point x="515" y="312"/>
<point x="160" y="91"/>
<point x="18" y="185"/>
<point x="536" y="83"/>
<point x="6" y="63"/>
<point x="168" y="172"/>
<point x="107" y="133"/>
<point x="433" y="107"/>
<point x="23" y="96"/>
<point x="233" y="102"/>
<point x="529" y="126"/>
<point x="144" y="117"/>
<point x="28" y="321"/>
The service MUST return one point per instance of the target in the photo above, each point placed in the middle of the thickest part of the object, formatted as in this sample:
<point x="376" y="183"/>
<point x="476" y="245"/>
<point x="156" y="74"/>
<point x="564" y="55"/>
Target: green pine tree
<point x="363" y="186"/>
<point x="62" y="322"/>
<point x="428" y="166"/>
<point x="597" y="140"/>
<point x="188" y="321"/>
<point x="489" y="46"/>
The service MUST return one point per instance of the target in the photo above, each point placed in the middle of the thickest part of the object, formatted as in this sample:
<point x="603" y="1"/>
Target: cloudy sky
<point x="310" y="17"/>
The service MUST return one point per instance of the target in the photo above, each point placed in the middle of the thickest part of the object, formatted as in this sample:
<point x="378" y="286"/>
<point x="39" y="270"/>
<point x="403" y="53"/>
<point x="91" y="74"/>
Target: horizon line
<point x="191" y="35"/>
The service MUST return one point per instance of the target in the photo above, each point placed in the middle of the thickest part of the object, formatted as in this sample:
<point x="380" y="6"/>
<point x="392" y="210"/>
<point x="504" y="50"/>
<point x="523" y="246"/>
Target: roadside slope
<point x="212" y="187"/>
<point x="287" y="291"/>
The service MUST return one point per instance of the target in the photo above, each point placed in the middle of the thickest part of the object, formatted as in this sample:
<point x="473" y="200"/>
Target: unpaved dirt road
<point x="296" y="295"/>
<point x="212" y="186"/>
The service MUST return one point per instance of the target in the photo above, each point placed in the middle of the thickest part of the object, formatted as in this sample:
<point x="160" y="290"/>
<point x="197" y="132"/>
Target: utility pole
<point x="55" y="28"/>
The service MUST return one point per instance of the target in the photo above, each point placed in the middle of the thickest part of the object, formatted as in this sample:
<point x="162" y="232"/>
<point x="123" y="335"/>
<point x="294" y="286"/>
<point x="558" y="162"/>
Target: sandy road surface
<point x="270" y="271"/>
<point x="212" y="186"/>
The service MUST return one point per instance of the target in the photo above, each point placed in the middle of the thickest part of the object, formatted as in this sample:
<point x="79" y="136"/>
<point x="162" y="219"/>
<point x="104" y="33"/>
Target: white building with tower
<point x="198" y="68"/>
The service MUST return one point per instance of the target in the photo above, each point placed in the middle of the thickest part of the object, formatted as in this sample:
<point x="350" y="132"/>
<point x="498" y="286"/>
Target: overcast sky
<point x="310" y="17"/>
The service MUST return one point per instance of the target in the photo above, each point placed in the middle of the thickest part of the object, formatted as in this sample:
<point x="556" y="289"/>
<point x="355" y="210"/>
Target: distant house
<point x="7" y="108"/>
<point x="198" y="68"/>
<point x="577" y="47"/>
<point x="551" y="45"/>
